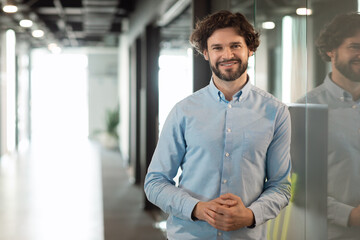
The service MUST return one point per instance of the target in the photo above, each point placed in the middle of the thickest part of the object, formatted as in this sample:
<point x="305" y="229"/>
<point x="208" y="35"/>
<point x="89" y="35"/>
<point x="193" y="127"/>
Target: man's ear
<point x="251" y="53"/>
<point x="206" y="55"/>
<point x="330" y="54"/>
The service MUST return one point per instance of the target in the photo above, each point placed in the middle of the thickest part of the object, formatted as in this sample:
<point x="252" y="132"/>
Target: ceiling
<point x="71" y="22"/>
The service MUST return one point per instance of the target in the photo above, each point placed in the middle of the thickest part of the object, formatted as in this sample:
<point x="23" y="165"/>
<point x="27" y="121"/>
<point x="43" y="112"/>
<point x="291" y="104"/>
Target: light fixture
<point x="9" y="6"/>
<point x="26" y="23"/>
<point x="303" y="11"/>
<point x="268" y="25"/>
<point x="37" y="33"/>
<point x="54" y="48"/>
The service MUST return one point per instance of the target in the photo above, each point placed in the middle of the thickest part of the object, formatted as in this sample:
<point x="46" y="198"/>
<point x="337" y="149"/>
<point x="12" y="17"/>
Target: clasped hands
<point x="225" y="213"/>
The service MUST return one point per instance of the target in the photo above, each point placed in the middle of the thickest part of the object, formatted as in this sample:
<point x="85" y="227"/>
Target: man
<point x="231" y="141"/>
<point x="339" y="43"/>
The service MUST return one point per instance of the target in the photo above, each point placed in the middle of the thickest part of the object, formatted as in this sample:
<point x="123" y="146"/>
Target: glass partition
<point x="323" y="95"/>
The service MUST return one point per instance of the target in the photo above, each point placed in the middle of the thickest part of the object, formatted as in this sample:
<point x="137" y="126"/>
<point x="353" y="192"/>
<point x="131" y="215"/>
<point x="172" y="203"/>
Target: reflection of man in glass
<point x="339" y="43"/>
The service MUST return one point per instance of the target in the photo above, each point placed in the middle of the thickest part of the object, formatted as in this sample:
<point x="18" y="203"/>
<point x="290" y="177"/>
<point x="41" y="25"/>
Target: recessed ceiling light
<point x="26" y="23"/>
<point x="38" y="33"/>
<point x="303" y="11"/>
<point x="10" y="8"/>
<point x="268" y="25"/>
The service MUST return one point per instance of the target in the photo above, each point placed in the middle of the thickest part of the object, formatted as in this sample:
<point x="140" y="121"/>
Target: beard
<point x="229" y="75"/>
<point x="345" y="69"/>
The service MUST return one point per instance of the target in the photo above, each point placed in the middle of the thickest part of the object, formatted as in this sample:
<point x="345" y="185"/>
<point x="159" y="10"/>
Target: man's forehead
<point x="354" y="38"/>
<point x="223" y="35"/>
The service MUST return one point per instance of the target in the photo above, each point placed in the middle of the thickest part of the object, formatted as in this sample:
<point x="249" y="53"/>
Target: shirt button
<point x="225" y="181"/>
<point x="354" y="106"/>
<point x="227" y="154"/>
<point x="229" y="106"/>
<point x="219" y="233"/>
<point x="342" y="98"/>
<point x="228" y="130"/>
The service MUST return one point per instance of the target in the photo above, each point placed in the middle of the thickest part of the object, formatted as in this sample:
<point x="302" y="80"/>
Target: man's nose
<point x="228" y="53"/>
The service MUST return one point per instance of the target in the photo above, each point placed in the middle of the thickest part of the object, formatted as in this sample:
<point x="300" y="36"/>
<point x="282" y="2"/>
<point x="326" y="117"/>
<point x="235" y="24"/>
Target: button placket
<point x="227" y="148"/>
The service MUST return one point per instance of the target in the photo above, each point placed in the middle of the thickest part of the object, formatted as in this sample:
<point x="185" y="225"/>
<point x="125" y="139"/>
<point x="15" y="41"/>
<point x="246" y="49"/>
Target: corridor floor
<point x="73" y="191"/>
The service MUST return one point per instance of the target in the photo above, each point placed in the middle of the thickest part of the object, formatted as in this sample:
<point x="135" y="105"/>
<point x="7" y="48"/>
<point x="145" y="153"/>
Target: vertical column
<point x="149" y="99"/>
<point x="7" y="88"/>
<point x="201" y="69"/>
<point x="200" y="9"/>
<point x="138" y="173"/>
<point x="135" y="87"/>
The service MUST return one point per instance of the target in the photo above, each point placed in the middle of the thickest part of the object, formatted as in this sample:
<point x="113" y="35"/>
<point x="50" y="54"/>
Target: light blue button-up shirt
<point x="240" y="146"/>
<point x="343" y="156"/>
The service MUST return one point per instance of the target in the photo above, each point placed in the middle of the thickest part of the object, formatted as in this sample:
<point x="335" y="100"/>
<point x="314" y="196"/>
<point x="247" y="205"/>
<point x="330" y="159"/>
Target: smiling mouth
<point x="228" y="64"/>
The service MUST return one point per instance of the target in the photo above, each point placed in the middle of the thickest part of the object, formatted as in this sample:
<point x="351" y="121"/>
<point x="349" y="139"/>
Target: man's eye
<point x="356" y="47"/>
<point x="216" y="48"/>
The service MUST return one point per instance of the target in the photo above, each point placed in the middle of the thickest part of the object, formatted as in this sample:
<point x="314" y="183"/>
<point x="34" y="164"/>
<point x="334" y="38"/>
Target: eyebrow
<point x="219" y="45"/>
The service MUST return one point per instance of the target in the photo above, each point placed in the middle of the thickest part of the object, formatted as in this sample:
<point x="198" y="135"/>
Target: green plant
<point x="112" y="121"/>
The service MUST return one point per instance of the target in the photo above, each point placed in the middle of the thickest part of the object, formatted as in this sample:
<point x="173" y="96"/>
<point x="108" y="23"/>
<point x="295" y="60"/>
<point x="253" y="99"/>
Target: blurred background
<point x="86" y="86"/>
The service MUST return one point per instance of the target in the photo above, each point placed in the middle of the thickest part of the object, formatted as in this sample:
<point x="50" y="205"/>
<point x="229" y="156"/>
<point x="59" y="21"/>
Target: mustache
<point x="229" y="60"/>
<point x="355" y="61"/>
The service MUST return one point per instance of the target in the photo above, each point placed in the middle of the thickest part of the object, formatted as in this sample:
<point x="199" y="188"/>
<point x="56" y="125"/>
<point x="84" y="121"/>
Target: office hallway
<point x="73" y="190"/>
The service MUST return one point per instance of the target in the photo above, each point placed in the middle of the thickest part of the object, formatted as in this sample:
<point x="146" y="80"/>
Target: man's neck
<point x="229" y="88"/>
<point x="352" y="87"/>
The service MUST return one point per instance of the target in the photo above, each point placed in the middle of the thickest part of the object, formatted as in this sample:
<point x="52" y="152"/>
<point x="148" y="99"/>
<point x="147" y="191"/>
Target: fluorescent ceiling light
<point x="38" y="33"/>
<point x="268" y="25"/>
<point x="10" y="8"/>
<point x="26" y="23"/>
<point x="303" y="11"/>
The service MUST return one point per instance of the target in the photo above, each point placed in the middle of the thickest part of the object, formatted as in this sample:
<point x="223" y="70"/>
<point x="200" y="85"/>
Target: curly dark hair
<point x="223" y="19"/>
<point x="333" y="35"/>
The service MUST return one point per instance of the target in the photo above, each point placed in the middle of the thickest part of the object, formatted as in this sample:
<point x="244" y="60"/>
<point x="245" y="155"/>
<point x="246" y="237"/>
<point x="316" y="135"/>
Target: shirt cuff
<point x="341" y="214"/>
<point x="258" y="214"/>
<point x="189" y="207"/>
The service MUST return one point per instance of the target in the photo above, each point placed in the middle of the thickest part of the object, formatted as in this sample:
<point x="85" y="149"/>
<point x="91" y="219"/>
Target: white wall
<point x="102" y="86"/>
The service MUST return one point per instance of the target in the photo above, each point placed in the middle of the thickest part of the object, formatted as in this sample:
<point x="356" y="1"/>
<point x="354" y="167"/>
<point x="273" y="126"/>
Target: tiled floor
<point x="56" y="191"/>
<point x="124" y="217"/>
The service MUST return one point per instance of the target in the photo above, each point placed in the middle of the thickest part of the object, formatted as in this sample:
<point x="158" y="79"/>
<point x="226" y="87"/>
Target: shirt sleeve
<point x="277" y="188"/>
<point x="159" y="185"/>
<point x="338" y="213"/>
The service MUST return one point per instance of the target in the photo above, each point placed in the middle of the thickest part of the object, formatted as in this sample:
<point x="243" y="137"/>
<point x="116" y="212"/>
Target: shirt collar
<point x="337" y="91"/>
<point x="219" y="96"/>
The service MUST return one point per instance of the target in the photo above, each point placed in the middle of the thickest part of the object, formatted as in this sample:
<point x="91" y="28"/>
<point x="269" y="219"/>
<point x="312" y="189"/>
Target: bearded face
<point x="227" y="53"/>
<point x="349" y="67"/>
<point x="231" y="70"/>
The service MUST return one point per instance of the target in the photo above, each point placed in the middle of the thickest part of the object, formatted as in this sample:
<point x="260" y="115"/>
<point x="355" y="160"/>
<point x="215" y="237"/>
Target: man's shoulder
<point x="266" y="96"/>
<point x="314" y="95"/>
<point x="192" y="100"/>
<point x="195" y="96"/>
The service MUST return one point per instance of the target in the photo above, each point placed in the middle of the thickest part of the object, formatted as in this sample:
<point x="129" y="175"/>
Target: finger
<point x="223" y="210"/>
<point x="214" y="220"/>
<point x="210" y="213"/>
<point x="220" y="224"/>
<point x="229" y="196"/>
<point x="227" y="202"/>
